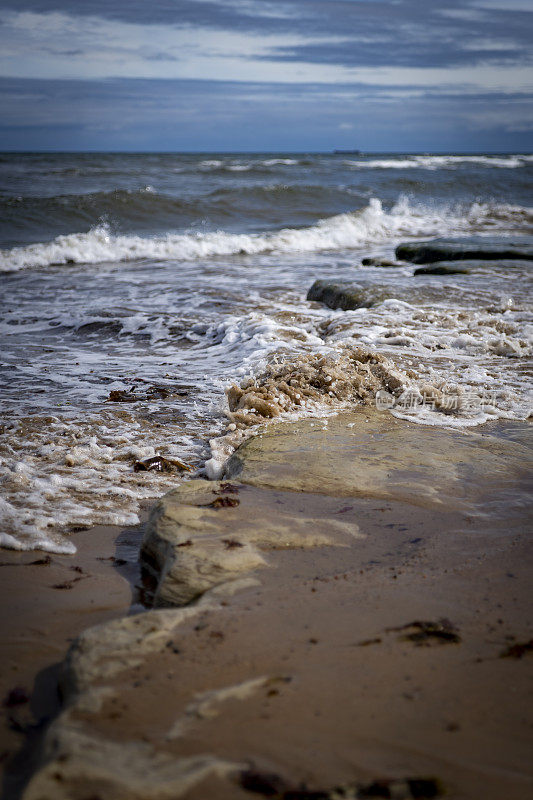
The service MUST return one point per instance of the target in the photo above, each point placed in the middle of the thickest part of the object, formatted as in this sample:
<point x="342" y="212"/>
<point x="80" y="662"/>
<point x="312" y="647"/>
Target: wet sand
<point x="402" y="653"/>
<point x="47" y="600"/>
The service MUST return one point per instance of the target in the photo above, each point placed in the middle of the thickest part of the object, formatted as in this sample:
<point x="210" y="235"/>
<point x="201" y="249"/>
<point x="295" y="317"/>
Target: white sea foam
<point x="372" y="224"/>
<point x="66" y="455"/>
<point x="57" y="474"/>
<point x="273" y="162"/>
<point x="238" y="166"/>
<point x="440" y="162"/>
<point x="450" y="346"/>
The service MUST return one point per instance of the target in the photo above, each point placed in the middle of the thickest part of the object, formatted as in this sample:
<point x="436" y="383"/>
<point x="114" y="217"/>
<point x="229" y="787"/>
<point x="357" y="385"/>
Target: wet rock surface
<point x="345" y="294"/>
<point x="375" y="261"/>
<point x="206" y="536"/>
<point x="448" y="268"/>
<point x="343" y="627"/>
<point x="481" y="248"/>
<point x="370" y="453"/>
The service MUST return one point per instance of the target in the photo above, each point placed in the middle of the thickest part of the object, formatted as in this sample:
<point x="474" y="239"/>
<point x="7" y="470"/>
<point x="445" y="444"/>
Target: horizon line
<point x="332" y="152"/>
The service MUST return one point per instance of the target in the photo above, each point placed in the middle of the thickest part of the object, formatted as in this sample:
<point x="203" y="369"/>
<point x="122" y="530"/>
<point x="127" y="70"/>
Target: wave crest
<point x="441" y="162"/>
<point x="372" y="224"/>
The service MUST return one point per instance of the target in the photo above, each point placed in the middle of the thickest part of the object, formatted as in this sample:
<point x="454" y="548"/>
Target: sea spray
<point x="371" y="224"/>
<point x="316" y="384"/>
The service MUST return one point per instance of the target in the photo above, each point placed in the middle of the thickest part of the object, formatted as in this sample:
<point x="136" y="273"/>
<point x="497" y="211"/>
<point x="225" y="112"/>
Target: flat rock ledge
<point x="477" y="248"/>
<point x="446" y="268"/>
<point x="211" y="536"/>
<point x="310" y="668"/>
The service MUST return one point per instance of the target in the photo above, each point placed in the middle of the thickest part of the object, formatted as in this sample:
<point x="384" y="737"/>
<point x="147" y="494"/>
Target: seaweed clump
<point x="423" y="633"/>
<point x="517" y="650"/>
<point x="353" y="377"/>
<point x="271" y="785"/>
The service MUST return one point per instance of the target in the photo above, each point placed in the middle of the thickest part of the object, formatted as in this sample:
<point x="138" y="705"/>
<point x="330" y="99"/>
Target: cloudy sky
<point x="394" y="75"/>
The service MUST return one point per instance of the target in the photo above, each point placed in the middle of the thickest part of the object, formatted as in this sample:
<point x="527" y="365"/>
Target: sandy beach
<point x="47" y="600"/>
<point x="266" y="452"/>
<point x="353" y="620"/>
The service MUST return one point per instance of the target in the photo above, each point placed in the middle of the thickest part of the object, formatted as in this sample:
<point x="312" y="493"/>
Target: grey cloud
<point x="380" y="32"/>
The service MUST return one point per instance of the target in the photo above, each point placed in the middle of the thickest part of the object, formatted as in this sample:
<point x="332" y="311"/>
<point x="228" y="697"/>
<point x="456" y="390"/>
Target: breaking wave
<point x="442" y="162"/>
<point x="371" y="224"/>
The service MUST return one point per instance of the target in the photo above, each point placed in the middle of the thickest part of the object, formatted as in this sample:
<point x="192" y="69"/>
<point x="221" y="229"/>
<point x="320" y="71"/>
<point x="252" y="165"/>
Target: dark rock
<point x="380" y="262"/>
<point x="161" y="464"/>
<point x="441" y="269"/>
<point x="272" y="785"/>
<point x="345" y="295"/>
<point x="463" y="249"/>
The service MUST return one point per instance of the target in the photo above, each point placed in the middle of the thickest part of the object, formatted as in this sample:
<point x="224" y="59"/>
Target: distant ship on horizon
<point x="347" y="152"/>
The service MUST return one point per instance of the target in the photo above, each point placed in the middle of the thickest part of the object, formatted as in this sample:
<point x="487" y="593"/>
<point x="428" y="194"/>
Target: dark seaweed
<point x="517" y="650"/>
<point x="272" y="785"/>
<point x="426" y="632"/>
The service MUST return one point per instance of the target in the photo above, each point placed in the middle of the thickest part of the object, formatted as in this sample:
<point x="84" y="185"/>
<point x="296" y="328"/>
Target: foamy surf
<point x="324" y="383"/>
<point x="371" y="224"/>
<point x="180" y="314"/>
<point x="433" y="162"/>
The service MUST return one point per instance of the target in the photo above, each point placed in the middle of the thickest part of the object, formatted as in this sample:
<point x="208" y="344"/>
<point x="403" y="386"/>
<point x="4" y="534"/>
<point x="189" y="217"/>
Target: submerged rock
<point x="380" y="262"/>
<point x="345" y="294"/>
<point x="161" y="464"/>
<point x="463" y="249"/>
<point x="441" y="269"/>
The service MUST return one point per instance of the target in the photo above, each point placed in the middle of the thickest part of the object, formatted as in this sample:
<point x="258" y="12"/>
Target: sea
<point x="136" y="288"/>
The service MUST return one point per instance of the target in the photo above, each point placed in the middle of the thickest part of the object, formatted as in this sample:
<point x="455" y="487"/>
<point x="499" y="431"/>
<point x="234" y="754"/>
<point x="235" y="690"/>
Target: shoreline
<point x="321" y="648"/>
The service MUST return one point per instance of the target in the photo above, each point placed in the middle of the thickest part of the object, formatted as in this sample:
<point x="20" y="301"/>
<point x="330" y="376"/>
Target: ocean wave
<point x="441" y="162"/>
<point x="137" y="209"/>
<point x="255" y="164"/>
<point x="91" y="204"/>
<point x="371" y="224"/>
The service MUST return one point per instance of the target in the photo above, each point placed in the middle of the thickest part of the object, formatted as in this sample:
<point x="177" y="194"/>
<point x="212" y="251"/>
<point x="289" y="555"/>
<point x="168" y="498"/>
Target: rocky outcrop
<point x="76" y="755"/>
<point x="212" y="535"/>
<point x="368" y="453"/>
<point x="194" y="702"/>
<point x="345" y="294"/>
<point x="449" y="268"/>
<point x="479" y="248"/>
<point x="375" y="261"/>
